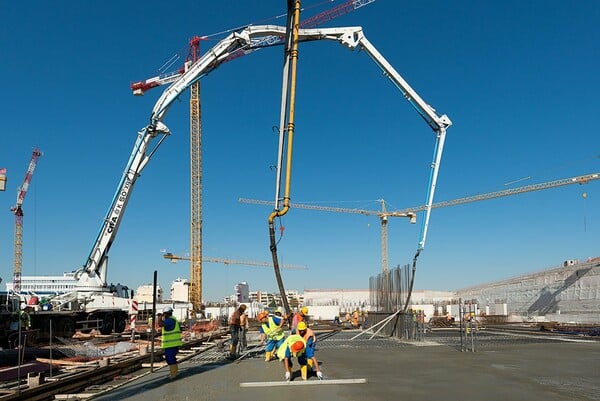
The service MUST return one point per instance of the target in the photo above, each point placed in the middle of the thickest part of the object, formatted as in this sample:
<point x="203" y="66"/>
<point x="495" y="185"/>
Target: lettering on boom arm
<point x="120" y="203"/>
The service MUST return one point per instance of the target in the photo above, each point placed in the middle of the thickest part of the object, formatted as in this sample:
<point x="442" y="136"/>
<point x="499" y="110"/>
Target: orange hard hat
<point x="304" y="310"/>
<point x="297" y="346"/>
<point x="262" y="315"/>
<point x="302" y="326"/>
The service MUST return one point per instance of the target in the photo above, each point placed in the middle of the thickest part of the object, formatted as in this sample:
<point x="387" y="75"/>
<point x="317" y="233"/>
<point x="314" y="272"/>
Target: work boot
<point x="304" y="372"/>
<point x="268" y="356"/>
<point x="232" y="351"/>
<point x="173" y="369"/>
<point x="310" y="363"/>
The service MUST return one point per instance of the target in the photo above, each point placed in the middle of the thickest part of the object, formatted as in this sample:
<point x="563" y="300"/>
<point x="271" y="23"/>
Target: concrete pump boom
<point x="93" y="274"/>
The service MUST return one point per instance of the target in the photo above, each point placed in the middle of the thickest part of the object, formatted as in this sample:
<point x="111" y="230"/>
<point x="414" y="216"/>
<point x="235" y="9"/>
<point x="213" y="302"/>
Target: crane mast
<point x="195" y="184"/>
<point x="18" y="212"/>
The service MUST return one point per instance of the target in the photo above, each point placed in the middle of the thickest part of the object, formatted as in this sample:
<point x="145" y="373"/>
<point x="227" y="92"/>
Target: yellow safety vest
<point x="25" y="319"/>
<point x="272" y="330"/>
<point x="287" y="344"/>
<point x="171" y="338"/>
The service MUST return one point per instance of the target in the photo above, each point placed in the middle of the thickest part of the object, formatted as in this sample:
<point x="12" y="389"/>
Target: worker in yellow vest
<point x="271" y="333"/>
<point x="293" y="346"/>
<point x="171" y="338"/>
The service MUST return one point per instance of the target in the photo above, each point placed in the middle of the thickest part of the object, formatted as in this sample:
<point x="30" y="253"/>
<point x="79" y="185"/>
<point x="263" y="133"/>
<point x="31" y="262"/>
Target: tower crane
<point x="3" y="179"/>
<point x="383" y="214"/>
<point x="138" y="88"/>
<point x="580" y="179"/>
<point x="225" y="261"/>
<point x="195" y="289"/>
<point x="18" y="211"/>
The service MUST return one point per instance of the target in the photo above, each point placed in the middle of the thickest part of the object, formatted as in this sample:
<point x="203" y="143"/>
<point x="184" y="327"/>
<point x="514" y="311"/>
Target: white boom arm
<point x="93" y="274"/>
<point x="351" y="37"/>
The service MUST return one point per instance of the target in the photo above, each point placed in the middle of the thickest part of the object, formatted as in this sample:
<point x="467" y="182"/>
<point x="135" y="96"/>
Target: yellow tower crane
<point x="225" y="261"/>
<point x="138" y="89"/>
<point x="383" y="215"/>
<point x="411" y="212"/>
<point x="195" y="184"/>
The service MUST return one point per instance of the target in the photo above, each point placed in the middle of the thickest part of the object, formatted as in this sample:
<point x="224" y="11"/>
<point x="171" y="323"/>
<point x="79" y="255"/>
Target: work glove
<point x="287" y="375"/>
<point x="320" y="375"/>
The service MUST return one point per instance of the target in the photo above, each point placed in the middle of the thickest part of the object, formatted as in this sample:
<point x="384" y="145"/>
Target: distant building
<point x="242" y="292"/>
<point x="180" y="290"/>
<point x="267" y="298"/>
<point x="144" y="294"/>
<point x="345" y="299"/>
<point x="45" y="285"/>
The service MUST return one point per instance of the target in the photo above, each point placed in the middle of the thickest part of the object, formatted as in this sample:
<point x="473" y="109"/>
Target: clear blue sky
<point x="518" y="79"/>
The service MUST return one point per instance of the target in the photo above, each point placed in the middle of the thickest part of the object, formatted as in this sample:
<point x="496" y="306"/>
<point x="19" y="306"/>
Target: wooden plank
<point x="65" y="362"/>
<point x="303" y="383"/>
<point x="71" y="397"/>
<point x="156" y="364"/>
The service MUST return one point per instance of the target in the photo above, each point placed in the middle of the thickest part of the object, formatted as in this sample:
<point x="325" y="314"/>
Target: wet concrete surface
<point x="505" y="367"/>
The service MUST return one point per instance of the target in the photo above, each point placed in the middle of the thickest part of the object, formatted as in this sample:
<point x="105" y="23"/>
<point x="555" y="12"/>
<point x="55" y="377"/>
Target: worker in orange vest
<point x="311" y="342"/>
<point x="301" y="316"/>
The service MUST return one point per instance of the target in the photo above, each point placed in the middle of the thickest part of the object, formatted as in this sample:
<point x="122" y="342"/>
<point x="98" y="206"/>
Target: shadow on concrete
<point x="159" y="379"/>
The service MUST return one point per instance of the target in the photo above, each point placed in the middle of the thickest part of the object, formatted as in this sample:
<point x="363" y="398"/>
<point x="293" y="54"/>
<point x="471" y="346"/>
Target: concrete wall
<point x="565" y="294"/>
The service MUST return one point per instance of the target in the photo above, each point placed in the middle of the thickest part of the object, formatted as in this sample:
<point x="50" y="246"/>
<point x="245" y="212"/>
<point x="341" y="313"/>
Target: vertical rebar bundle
<point x="388" y="290"/>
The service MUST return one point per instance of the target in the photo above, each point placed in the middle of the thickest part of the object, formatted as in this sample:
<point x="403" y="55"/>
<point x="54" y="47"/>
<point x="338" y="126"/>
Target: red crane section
<point x="140" y="87"/>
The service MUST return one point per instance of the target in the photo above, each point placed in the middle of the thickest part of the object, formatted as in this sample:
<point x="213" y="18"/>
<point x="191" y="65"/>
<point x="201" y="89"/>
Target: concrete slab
<point x="505" y="368"/>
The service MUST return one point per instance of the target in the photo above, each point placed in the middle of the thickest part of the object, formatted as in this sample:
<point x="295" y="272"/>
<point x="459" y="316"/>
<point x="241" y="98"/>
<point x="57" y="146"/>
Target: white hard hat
<point x="168" y="309"/>
<point x="22" y="306"/>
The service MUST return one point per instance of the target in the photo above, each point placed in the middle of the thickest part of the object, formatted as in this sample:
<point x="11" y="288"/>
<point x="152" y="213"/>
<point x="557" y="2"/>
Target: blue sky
<point x="518" y="79"/>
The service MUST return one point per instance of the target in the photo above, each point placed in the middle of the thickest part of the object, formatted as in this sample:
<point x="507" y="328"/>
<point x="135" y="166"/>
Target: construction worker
<point x="235" y="327"/>
<point x="355" y="316"/>
<point x="243" y="330"/>
<point x="21" y="320"/>
<point x="150" y="327"/>
<point x="293" y="346"/>
<point x="311" y="343"/>
<point x="271" y="333"/>
<point x="18" y="327"/>
<point x="170" y="339"/>
<point x="24" y="317"/>
<point x="301" y="316"/>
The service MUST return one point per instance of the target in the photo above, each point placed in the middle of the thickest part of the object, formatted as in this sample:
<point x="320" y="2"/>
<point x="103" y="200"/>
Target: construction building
<point x="566" y="293"/>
